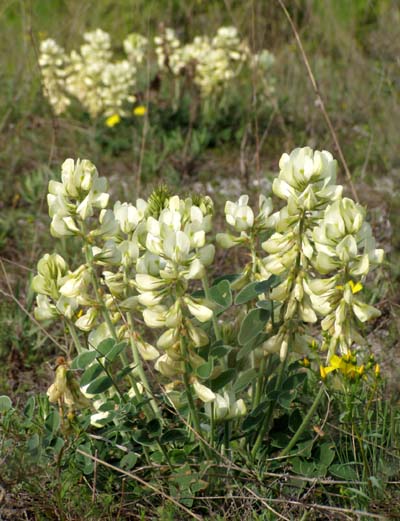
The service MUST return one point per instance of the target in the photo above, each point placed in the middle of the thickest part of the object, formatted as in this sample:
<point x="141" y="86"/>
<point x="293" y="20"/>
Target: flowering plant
<point x="106" y="87"/>
<point x="148" y="328"/>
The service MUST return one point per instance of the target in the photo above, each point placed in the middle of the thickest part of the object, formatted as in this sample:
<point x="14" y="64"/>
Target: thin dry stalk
<point x="11" y="296"/>
<point x="142" y="482"/>
<point x="319" y="100"/>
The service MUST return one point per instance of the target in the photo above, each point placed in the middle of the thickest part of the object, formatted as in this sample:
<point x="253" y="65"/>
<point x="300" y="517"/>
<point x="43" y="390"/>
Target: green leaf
<point x="220" y="350"/>
<point x="251" y="422"/>
<point x="124" y="372"/>
<point x="221" y="294"/>
<point x="294" y="381"/>
<point x="99" y="385"/>
<point x="253" y="419"/>
<point x="157" y="457"/>
<point x="224" y="378"/>
<point x="304" y="448"/>
<point x="264" y="304"/>
<point x="246" y="294"/>
<point x="344" y="471"/>
<point x="177" y="456"/>
<point x="205" y="370"/>
<point x="229" y="277"/>
<point x="52" y="422"/>
<point x="90" y="374"/>
<point x="303" y="467"/>
<point x="105" y="346"/>
<point x="5" y="404"/>
<point x="84" y="359"/>
<point x="86" y="463"/>
<point x="172" y="436"/>
<point x="154" y="428"/>
<point x="115" y="351"/>
<point x="285" y="399"/>
<point x="142" y="437"/>
<point x="29" y="407"/>
<point x="244" y="379"/>
<point x="128" y="461"/>
<point x="252" y="290"/>
<point x="264" y="285"/>
<point x="326" y="454"/>
<point x="33" y="443"/>
<point x="252" y="344"/>
<point x="253" y="323"/>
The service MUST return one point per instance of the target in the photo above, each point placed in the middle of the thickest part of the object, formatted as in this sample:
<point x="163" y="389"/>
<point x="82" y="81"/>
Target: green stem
<point x="164" y="451"/>
<point x="112" y="379"/>
<point x="75" y="337"/>
<point x="265" y="425"/>
<point x="304" y="423"/>
<point x="192" y="408"/>
<point x="260" y="382"/>
<point x="110" y="325"/>
<point x="140" y="370"/>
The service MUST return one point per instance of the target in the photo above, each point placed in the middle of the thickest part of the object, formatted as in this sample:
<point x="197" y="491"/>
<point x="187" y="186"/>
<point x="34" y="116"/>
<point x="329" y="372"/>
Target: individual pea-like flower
<point x="242" y="219"/>
<point x="205" y="394"/>
<point x="87" y="321"/>
<point x="65" y="388"/>
<point x="75" y="283"/>
<point x="239" y="215"/>
<point x="128" y="216"/>
<point x="51" y="270"/>
<point x="226" y="407"/>
<point x="45" y="309"/>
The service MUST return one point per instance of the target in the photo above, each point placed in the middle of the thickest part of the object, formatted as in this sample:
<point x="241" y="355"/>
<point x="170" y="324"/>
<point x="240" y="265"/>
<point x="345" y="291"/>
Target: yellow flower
<point x="113" y="120"/>
<point x="347" y="365"/>
<point x="305" y="362"/>
<point x="355" y="288"/>
<point x="377" y="370"/>
<point x="139" y="110"/>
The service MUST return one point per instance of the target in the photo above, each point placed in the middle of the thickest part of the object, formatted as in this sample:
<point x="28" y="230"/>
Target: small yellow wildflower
<point x="322" y="372"/>
<point x="377" y="370"/>
<point x="140" y="110"/>
<point x="355" y="288"/>
<point x="306" y="362"/>
<point x="113" y="120"/>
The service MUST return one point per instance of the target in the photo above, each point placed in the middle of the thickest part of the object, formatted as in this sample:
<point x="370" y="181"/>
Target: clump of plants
<point x="106" y="87"/>
<point x="165" y="368"/>
<point x="141" y="301"/>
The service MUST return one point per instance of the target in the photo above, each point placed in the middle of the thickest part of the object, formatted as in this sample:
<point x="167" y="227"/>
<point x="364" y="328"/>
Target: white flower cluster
<point x="316" y="233"/>
<point x="102" y="86"/>
<point x="176" y="253"/>
<point x="215" y="61"/>
<point x="135" y="46"/>
<point x="250" y="227"/>
<point x="52" y="62"/>
<point x="145" y="255"/>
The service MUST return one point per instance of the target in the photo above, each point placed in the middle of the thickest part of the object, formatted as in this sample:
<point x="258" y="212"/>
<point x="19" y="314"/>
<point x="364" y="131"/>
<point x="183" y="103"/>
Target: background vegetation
<point x="353" y="48"/>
